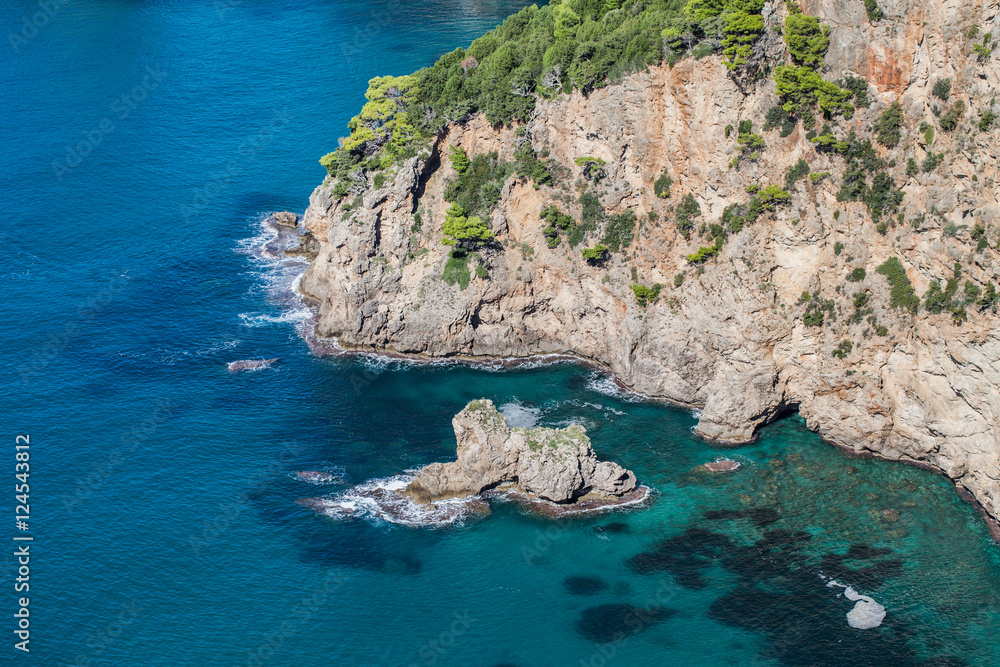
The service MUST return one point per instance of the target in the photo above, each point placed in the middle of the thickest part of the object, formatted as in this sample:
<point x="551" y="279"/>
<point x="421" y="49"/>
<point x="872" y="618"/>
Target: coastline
<point x="333" y="347"/>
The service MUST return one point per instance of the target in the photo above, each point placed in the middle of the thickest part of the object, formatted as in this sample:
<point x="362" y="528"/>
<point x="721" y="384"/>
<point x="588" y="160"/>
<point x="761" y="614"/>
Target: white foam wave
<point x="323" y="476"/>
<point x="377" y="500"/>
<point x="276" y="275"/>
<point x="604" y="408"/>
<point x="264" y="319"/>
<point x="605" y="384"/>
<point x="519" y="415"/>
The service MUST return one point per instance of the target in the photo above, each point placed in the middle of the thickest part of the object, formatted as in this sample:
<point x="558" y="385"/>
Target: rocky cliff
<point x="553" y="464"/>
<point x="738" y="333"/>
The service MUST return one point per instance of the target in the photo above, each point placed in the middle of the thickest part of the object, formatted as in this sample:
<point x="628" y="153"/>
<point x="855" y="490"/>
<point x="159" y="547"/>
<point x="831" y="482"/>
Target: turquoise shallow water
<point x="163" y="489"/>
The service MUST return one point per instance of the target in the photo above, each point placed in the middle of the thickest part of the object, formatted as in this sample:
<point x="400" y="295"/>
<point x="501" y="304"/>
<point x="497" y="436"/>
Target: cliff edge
<point x="710" y="250"/>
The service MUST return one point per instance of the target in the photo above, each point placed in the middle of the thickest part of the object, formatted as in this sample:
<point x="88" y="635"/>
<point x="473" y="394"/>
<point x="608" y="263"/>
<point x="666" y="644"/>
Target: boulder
<point x="286" y="219"/>
<point x="558" y="465"/>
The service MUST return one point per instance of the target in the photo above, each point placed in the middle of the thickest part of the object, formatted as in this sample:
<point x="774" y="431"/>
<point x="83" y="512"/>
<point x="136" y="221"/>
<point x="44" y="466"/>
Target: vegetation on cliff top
<point x="569" y="44"/>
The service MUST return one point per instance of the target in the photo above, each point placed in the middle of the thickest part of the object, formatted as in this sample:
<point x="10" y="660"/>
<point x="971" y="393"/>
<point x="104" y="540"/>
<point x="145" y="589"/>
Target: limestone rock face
<point x="730" y="337"/>
<point x="553" y="464"/>
<point x="286" y="218"/>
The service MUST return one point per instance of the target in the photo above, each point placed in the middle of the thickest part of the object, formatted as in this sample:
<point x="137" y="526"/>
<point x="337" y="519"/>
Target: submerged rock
<point x="614" y="622"/>
<point x="583" y="585"/>
<point x="722" y="465"/>
<point x="307" y="247"/>
<point x="316" y="476"/>
<point x="557" y="465"/>
<point x="250" y="364"/>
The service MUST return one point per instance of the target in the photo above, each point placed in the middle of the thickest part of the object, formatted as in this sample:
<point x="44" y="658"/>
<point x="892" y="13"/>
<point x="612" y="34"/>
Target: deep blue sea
<point x="143" y="144"/>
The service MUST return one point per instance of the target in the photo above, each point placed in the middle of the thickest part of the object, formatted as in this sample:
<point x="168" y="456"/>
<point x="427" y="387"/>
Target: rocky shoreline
<point x="320" y="345"/>
<point x="795" y="312"/>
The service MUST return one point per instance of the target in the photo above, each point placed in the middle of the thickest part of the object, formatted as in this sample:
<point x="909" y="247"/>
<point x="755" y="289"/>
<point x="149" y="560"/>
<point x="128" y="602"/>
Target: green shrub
<point x="858" y="88"/>
<point x="557" y="222"/>
<point x="465" y="231"/>
<point x="477" y="189"/>
<point x="745" y="24"/>
<point x="687" y="211"/>
<point x="705" y="253"/>
<point x="773" y="196"/>
<point x="888" y="125"/>
<point x="801" y="89"/>
<point x="679" y="279"/>
<point x="972" y="291"/>
<point x="593" y="168"/>
<point x="379" y="180"/>
<point x="481" y="271"/>
<point x="456" y="270"/>
<point x="776" y="116"/>
<point x="861" y="299"/>
<point x="912" y="168"/>
<point x="838" y="248"/>
<point x="619" y="231"/>
<point x="874" y="11"/>
<point x="813" y="318"/>
<point x="932" y="161"/>
<point x="595" y="255"/>
<point x="902" y="295"/>
<point x="646" y="295"/>
<point x="592" y="216"/>
<point x="857" y="275"/>
<point x="882" y="197"/>
<point x="949" y="121"/>
<point x="986" y="119"/>
<point x="339" y="191"/>
<point x="843" y="349"/>
<point x="795" y="173"/>
<point x="750" y="144"/>
<point x="661" y="188"/>
<point x="989" y="297"/>
<point x="806" y="39"/>
<point x="459" y="159"/>
<point x="527" y="163"/>
<point x="942" y="89"/>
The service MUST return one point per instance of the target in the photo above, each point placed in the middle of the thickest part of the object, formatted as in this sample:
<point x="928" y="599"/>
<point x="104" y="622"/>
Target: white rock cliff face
<point x="731" y="338"/>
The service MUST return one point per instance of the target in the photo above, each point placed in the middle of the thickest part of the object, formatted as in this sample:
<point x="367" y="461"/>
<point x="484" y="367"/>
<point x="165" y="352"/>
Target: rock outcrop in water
<point x="553" y="464"/>
<point x="791" y="313"/>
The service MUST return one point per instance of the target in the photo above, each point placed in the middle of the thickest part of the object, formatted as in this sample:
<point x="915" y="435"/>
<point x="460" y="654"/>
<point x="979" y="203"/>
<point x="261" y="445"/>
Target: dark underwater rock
<point x="614" y="622"/>
<point x="583" y="585"/>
